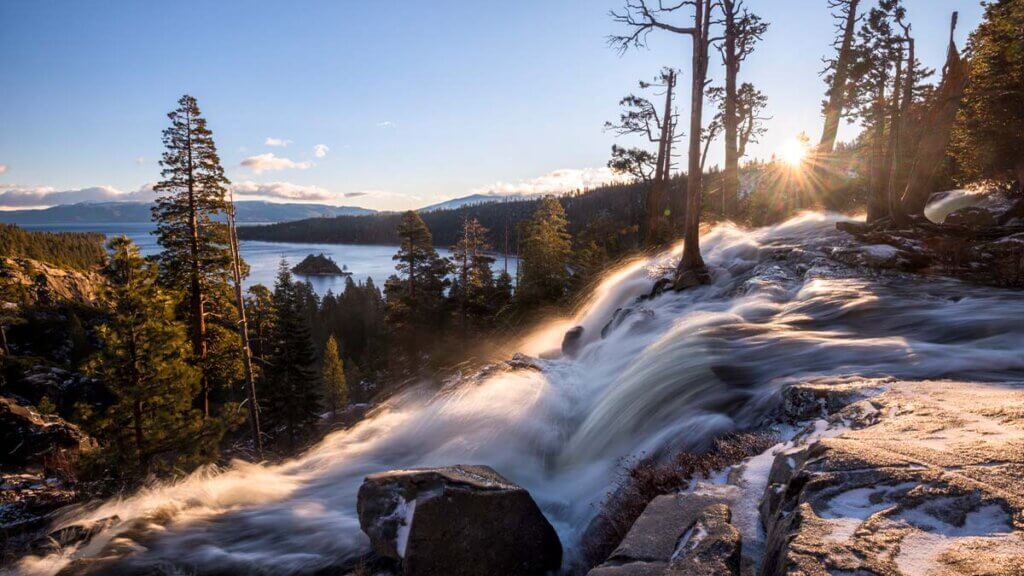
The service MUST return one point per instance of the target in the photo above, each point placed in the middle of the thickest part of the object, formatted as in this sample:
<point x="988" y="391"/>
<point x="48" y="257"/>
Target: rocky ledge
<point x="893" y="478"/>
<point x="41" y="283"/>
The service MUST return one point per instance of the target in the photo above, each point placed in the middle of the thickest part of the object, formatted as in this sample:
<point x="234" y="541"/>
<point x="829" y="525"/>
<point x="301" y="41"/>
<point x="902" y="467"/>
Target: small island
<point x="319" y="265"/>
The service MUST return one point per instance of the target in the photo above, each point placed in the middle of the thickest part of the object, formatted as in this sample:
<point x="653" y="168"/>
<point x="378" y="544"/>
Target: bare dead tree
<point x="845" y="13"/>
<point x="640" y="20"/>
<point x="742" y="31"/>
<point x="640" y="117"/>
<point x="243" y="331"/>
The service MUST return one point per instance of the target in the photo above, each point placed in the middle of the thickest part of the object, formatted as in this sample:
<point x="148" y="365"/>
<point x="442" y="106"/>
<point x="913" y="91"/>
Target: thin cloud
<point x="3" y="168"/>
<point x="283" y="190"/>
<point x="386" y="124"/>
<point x="321" y="150"/>
<point x="279" y="142"/>
<point x="140" y="160"/>
<point x="556" y="182"/>
<point x="19" y="196"/>
<point x="269" y="162"/>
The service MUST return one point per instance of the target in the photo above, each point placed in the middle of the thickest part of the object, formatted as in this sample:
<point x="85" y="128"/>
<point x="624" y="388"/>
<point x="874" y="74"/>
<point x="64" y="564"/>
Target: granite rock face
<point x="925" y="479"/>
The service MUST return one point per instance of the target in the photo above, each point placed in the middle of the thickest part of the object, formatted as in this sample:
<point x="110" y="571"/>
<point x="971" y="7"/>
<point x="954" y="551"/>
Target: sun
<point x="793" y="152"/>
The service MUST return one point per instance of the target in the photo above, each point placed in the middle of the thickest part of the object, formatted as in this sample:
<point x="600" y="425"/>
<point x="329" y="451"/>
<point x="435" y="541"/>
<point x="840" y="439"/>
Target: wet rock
<point x="572" y="341"/>
<point x="28" y="437"/>
<point x="924" y="481"/>
<point x="675" y="534"/>
<point x="458" y="520"/>
<point x="971" y="217"/>
<point x="711" y="547"/>
<point x="76" y="534"/>
<point x="809" y="400"/>
<point x="691" y="279"/>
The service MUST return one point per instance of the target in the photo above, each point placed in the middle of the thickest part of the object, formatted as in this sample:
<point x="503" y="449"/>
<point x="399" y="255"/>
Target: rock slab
<point x="457" y="521"/>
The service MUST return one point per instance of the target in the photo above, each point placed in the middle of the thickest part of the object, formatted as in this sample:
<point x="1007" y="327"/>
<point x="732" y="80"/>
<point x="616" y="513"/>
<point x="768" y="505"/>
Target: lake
<point x="363" y="261"/>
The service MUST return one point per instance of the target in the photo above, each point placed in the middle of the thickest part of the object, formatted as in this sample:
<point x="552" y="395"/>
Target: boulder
<point x="686" y="533"/>
<point x="572" y="341"/>
<point x="457" y="520"/>
<point x="28" y="437"/>
<point x="971" y="217"/>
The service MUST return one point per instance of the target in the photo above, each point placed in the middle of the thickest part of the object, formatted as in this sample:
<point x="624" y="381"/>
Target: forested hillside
<point x="619" y="205"/>
<point x="72" y="250"/>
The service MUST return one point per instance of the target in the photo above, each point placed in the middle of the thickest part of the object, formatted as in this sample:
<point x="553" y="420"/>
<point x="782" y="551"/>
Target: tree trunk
<point x="895" y="125"/>
<point x="243" y="335"/>
<point x="877" y="207"/>
<point x="731" y="175"/>
<point x="932" y="147"/>
<point x="199" y="347"/>
<point x="692" y="260"/>
<point x="656" y="192"/>
<point x="1017" y="210"/>
<point x="837" y="94"/>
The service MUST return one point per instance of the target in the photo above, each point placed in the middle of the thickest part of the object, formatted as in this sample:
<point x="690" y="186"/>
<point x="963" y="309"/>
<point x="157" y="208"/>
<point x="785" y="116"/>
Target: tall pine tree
<point x="545" y="253"/>
<point x="152" y="426"/>
<point x="196" y="256"/>
<point x="290" y="394"/>
<point x="415" y="297"/>
<point x="335" y="388"/>
<point x="474" y="286"/>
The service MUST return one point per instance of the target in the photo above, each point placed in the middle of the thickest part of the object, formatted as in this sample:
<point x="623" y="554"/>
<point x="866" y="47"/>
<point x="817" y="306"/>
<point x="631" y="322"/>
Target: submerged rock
<point x="572" y="341"/>
<point x="458" y="520"/>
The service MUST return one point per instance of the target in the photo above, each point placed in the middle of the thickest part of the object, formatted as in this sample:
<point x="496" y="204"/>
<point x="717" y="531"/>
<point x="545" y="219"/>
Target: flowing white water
<point x="678" y="370"/>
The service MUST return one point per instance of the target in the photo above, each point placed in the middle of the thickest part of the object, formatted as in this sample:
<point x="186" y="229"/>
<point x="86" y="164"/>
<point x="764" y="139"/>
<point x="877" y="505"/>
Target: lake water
<point x="363" y="261"/>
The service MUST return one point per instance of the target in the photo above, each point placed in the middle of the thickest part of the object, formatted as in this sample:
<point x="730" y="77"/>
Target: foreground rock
<point x="678" y="534"/>
<point x="459" y="520"/>
<point x="927" y="480"/>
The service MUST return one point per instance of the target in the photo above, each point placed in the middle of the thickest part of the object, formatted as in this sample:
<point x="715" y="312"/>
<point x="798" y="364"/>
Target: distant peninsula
<point x="319" y="265"/>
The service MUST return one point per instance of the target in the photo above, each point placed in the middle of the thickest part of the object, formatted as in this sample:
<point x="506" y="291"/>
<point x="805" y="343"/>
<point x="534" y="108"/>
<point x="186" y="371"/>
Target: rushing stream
<point x="676" y="371"/>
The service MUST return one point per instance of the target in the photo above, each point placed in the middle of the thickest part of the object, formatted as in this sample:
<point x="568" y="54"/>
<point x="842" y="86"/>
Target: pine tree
<point x="415" y="297"/>
<point x="290" y="382"/>
<point x="196" y="256"/>
<point x="545" y="252"/>
<point x="989" y="136"/>
<point x="475" y="279"/>
<point x="334" y="377"/>
<point x="152" y="426"/>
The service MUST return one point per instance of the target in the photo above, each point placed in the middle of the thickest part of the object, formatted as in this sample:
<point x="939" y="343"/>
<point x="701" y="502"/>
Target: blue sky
<point x="415" y="101"/>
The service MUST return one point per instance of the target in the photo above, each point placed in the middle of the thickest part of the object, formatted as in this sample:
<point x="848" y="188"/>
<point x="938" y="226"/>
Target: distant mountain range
<point x="475" y="199"/>
<point x="249" y="211"/>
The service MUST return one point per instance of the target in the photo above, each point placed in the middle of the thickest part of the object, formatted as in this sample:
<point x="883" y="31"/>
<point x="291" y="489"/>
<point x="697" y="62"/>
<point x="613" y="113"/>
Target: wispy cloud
<point x="386" y="124"/>
<point x="3" y="168"/>
<point x="269" y="162"/>
<point x="284" y="190"/>
<point x="321" y="150"/>
<point x="19" y="196"/>
<point x="556" y="182"/>
<point x="140" y="160"/>
<point x="279" y="142"/>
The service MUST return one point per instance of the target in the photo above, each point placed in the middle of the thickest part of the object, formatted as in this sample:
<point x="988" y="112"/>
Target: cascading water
<point x="672" y="372"/>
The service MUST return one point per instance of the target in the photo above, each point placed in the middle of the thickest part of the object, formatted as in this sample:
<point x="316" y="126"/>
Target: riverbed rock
<point x="686" y="533"/>
<point x="457" y="520"/>
<point x="972" y="217"/>
<point x="28" y="437"/>
<point x="924" y="480"/>
<point x="572" y="341"/>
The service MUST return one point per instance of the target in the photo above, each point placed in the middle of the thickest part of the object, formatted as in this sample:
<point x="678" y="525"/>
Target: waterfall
<point x="669" y="372"/>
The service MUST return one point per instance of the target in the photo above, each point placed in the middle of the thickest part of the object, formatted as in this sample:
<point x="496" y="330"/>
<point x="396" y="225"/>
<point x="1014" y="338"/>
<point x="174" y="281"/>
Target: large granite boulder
<point x="28" y="437"/>
<point x="457" y="521"/>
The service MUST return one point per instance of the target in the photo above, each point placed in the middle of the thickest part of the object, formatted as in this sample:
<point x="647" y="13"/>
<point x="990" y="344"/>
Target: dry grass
<point x="644" y="479"/>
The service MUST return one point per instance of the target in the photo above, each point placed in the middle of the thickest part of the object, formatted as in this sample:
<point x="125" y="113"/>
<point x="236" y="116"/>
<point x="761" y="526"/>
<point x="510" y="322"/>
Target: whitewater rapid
<point x="679" y="369"/>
